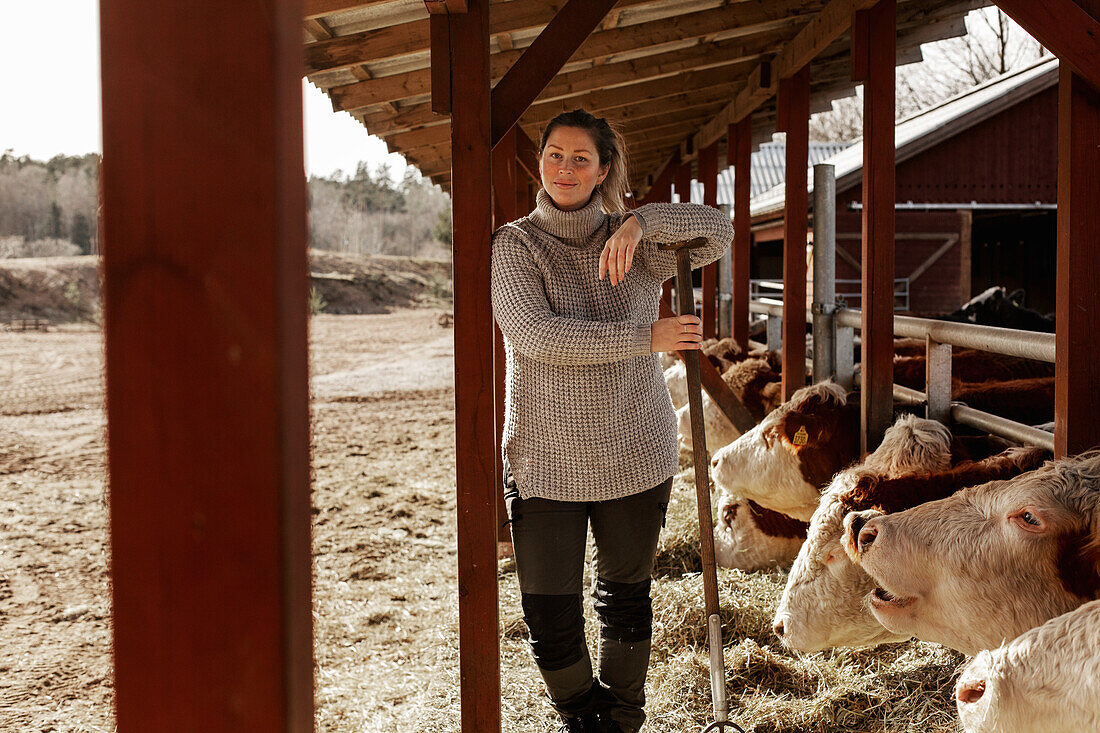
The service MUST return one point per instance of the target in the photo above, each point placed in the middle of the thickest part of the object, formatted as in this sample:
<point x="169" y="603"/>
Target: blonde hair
<point x="611" y="149"/>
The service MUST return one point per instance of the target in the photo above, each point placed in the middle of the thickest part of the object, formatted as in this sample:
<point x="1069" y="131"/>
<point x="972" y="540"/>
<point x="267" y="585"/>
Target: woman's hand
<point x="676" y="333"/>
<point x="618" y="253"/>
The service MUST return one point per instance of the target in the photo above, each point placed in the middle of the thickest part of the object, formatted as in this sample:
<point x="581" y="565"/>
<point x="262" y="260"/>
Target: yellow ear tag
<point x="801" y="437"/>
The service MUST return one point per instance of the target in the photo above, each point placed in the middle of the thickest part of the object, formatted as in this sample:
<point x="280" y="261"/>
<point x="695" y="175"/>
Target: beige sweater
<point x="588" y="416"/>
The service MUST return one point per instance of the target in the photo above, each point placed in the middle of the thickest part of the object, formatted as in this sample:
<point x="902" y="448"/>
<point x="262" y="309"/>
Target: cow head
<point x="785" y="461"/>
<point x="824" y="604"/>
<point x="991" y="561"/>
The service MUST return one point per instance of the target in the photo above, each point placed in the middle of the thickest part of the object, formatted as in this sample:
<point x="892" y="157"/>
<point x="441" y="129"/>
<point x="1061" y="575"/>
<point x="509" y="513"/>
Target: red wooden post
<point x="874" y="43"/>
<point x="206" y="289"/>
<point x="708" y="176"/>
<point x="475" y="463"/>
<point x="740" y="156"/>
<point x="1077" y="371"/>
<point x="683" y="181"/>
<point x="794" y="119"/>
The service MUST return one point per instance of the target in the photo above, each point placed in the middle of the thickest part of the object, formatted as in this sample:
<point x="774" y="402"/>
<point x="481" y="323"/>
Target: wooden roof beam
<point x="559" y="40"/>
<point x="321" y="8"/>
<point x="445" y="7"/>
<point x="741" y="18"/>
<point x="1069" y="29"/>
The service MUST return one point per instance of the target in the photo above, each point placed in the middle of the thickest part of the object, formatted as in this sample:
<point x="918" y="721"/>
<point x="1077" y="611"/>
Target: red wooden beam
<point x="683" y="181"/>
<point x="1077" y="370"/>
<point x="740" y="156"/>
<point x="527" y="155"/>
<point x="441" y="64"/>
<point x="1071" y="30"/>
<point x="559" y="40"/>
<point x="445" y="7"/>
<point x="794" y="116"/>
<point x="475" y="464"/>
<point x="708" y="176"/>
<point x="206" y="284"/>
<point x="878" y="42"/>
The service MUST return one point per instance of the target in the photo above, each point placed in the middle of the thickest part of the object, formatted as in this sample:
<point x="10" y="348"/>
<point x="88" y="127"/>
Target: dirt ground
<point x="385" y="580"/>
<point x="383" y="457"/>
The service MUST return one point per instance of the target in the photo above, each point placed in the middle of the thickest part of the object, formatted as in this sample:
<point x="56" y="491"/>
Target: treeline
<point x="50" y="209"/>
<point x="370" y="213"/>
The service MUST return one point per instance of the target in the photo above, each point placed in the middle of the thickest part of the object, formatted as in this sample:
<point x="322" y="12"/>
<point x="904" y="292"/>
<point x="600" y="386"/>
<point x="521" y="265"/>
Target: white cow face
<point x="989" y="562"/>
<point x="824" y="603"/>
<point x="720" y="431"/>
<point x="1046" y="681"/>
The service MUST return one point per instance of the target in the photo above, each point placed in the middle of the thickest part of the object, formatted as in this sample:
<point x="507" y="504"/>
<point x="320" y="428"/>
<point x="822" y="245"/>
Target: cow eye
<point x="1030" y="519"/>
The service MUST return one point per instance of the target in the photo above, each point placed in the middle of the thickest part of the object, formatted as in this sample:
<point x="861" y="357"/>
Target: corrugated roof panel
<point x="768" y="169"/>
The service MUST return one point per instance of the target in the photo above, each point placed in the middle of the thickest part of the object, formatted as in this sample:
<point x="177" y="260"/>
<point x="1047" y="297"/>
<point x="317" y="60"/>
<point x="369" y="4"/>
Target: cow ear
<point x="1017" y="296"/>
<point x="1079" y="564"/>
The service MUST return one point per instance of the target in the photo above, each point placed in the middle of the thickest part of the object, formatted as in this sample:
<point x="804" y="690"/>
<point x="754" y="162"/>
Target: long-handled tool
<point x="685" y="296"/>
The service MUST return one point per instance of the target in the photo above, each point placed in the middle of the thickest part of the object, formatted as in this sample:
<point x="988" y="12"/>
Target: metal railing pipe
<point x="1002" y="426"/>
<point x="1008" y="341"/>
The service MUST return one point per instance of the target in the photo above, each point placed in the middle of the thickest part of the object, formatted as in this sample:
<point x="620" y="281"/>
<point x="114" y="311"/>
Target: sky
<point x="53" y="108"/>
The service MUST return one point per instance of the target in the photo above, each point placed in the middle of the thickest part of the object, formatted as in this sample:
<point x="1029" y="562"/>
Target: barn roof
<point x="768" y="169"/>
<point x="930" y="126"/>
<point x="674" y="73"/>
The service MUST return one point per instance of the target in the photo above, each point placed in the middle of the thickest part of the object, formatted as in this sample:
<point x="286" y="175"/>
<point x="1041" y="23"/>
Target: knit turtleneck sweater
<point x="588" y="416"/>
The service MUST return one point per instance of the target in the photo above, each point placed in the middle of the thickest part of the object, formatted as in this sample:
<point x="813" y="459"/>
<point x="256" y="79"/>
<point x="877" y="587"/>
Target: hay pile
<point x="896" y="688"/>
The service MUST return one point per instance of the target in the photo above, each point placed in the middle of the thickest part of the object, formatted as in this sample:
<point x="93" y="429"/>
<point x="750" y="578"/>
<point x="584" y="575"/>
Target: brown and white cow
<point x="822" y="605"/>
<point x="1029" y="401"/>
<point x="1046" y="681"/>
<point x="985" y="564"/>
<point x="749" y="537"/>
<point x="971" y="365"/>
<point x="754" y="382"/>
<point x="784" y="462"/>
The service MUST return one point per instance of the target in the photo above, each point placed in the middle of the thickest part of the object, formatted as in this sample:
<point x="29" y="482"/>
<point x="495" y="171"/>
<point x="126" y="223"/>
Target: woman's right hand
<point x="676" y="333"/>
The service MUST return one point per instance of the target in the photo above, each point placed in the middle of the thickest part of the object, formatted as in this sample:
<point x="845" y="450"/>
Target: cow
<point x="1029" y="401"/>
<point x="816" y="611"/>
<point x="754" y="383"/>
<point x="997" y="307"/>
<point x="1047" y="680"/>
<point x="784" y="462"/>
<point x="971" y="365"/>
<point x="722" y="355"/>
<point x="749" y="537"/>
<point x="985" y="564"/>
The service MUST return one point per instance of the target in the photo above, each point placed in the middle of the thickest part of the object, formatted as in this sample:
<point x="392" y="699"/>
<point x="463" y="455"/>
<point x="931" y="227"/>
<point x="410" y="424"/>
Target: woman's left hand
<point x="618" y="253"/>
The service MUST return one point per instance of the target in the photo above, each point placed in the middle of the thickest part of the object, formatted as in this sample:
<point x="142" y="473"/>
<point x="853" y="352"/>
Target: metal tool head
<point x="690" y="244"/>
<point x="720" y="724"/>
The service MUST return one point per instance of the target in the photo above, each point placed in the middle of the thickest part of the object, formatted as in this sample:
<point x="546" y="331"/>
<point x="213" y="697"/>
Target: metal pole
<point x="824" y="303"/>
<point x="725" y="287"/>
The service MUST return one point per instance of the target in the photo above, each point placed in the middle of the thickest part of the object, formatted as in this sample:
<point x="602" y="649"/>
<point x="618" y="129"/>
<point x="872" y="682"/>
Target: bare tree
<point x="993" y="45"/>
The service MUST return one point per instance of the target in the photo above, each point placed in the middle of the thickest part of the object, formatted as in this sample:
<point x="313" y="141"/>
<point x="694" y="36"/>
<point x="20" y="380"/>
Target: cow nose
<point x="866" y="537"/>
<point x="970" y="691"/>
<point x="779" y="627"/>
<point x="714" y="462"/>
<point x="856" y="525"/>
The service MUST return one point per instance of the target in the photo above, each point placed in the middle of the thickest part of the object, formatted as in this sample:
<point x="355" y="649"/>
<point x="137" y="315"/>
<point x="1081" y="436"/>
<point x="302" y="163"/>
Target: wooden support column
<point x="475" y="464"/>
<point x="206" y="289"/>
<point x="740" y="157"/>
<point x="1077" y="370"/>
<point x="708" y="176"/>
<point x="794" y="119"/>
<point x="505" y="175"/>
<point x="874" y="40"/>
<point x="683" y="181"/>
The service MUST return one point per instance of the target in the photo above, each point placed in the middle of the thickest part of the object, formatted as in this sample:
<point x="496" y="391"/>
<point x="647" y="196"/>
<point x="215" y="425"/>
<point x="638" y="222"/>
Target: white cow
<point x="823" y="603"/>
<point x="1046" y="681"/>
<point x="749" y="537"/>
<point x="991" y="561"/>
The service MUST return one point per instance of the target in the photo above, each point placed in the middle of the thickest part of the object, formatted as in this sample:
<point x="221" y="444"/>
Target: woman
<point x="589" y="430"/>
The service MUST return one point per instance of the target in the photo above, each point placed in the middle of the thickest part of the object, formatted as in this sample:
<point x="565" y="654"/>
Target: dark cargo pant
<point x="549" y="538"/>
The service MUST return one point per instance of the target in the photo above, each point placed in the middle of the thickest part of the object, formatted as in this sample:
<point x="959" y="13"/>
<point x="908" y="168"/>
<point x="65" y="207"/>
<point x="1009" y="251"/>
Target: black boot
<point x="582" y="724"/>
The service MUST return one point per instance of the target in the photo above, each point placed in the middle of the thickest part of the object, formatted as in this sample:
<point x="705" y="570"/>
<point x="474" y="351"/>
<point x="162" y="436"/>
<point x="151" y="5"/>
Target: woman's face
<point x="570" y="167"/>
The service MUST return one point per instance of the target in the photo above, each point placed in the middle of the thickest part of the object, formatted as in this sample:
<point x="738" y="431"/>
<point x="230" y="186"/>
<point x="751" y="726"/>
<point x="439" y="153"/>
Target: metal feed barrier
<point x="834" y="336"/>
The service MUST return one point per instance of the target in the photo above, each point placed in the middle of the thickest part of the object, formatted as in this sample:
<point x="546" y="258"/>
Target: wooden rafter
<point x="1071" y="31"/>
<point x="322" y="8"/>
<point x="542" y="60"/>
<point x="445" y="7"/>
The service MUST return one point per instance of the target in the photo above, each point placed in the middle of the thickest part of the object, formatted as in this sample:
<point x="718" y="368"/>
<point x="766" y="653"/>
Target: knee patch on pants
<point x="556" y="625"/>
<point x="625" y="610"/>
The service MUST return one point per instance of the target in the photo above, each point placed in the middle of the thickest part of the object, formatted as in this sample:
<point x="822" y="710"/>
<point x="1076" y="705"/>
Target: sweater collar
<point x="572" y="227"/>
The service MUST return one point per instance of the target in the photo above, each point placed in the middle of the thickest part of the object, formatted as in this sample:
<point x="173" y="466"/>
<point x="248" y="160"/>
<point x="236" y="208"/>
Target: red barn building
<point x="976" y="193"/>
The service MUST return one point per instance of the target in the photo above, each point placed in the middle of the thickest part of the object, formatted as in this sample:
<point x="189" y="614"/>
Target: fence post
<point x="725" y="287"/>
<point x="775" y="332"/>
<point x="824" y="303"/>
<point x="844" y="353"/>
<point x="937" y="380"/>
